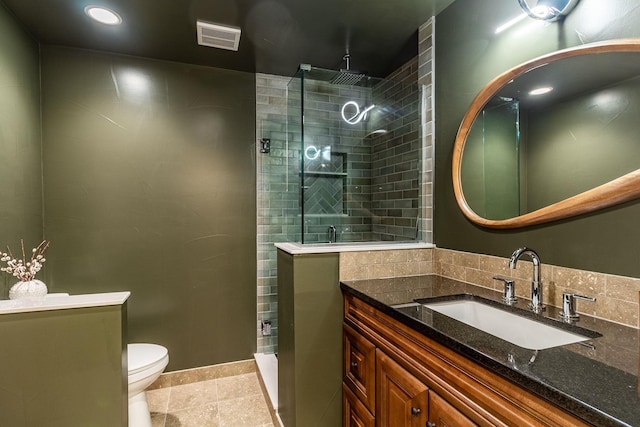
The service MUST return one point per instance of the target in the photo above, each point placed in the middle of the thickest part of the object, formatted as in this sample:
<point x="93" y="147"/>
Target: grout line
<point x="217" y="402"/>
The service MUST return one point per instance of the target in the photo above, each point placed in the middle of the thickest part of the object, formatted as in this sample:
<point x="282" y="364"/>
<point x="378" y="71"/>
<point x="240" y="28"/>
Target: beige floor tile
<point x="192" y="395"/>
<point x="201" y="416"/>
<point x="158" y="400"/>
<point x="250" y="411"/>
<point x="238" y="386"/>
<point x="224" y="402"/>
<point x="158" y="419"/>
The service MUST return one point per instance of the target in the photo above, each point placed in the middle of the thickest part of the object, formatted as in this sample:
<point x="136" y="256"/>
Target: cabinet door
<point x="443" y="414"/>
<point x="401" y="399"/>
<point x="359" y="366"/>
<point x="354" y="412"/>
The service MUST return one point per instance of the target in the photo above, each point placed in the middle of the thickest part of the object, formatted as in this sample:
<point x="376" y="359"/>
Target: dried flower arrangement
<point x="21" y="268"/>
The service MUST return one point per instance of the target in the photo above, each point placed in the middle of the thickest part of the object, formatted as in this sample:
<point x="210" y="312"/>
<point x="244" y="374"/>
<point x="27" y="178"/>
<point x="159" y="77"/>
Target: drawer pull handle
<point x="415" y="411"/>
<point x="430" y="424"/>
<point x="354" y="364"/>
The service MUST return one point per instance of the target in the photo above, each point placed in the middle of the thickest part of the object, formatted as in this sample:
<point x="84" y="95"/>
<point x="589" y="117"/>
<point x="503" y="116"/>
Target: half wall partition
<point x="321" y="170"/>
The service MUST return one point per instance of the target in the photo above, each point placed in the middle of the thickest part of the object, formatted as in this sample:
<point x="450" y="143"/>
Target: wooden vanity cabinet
<point x="359" y="366"/>
<point x="401" y="398"/>
<point x="390" y="391"/>
<point x="354" y="413"/>
<point x="398" y="377"/>
<point x="444" y="414"/>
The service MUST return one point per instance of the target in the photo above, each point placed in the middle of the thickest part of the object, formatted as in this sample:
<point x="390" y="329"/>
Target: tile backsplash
<point x="616" y="296"/>
<point x="382" y="264"/>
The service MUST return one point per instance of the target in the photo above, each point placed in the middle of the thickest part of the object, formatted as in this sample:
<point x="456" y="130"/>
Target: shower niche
<point x="324" y="184"/>
<point x="354" y="145"/>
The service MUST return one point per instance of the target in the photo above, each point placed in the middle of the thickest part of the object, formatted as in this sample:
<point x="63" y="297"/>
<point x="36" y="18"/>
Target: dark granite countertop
<point x="596" y="380"/>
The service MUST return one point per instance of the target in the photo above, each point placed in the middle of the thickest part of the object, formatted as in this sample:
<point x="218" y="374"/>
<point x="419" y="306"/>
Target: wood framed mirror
<point x="531" y="159"/>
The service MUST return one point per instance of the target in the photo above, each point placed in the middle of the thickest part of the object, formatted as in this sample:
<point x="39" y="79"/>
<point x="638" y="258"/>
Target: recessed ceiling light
<point x="103" y="15"/>
<point x="541" y="90"/>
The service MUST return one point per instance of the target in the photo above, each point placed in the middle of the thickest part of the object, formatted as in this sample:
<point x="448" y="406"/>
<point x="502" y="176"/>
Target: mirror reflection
<point x="553" y="132"/>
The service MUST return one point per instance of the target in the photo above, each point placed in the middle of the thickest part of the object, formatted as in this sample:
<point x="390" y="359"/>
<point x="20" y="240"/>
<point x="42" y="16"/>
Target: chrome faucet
<point x="332" y="234"/>
<point x="568" y="313"/>
<point x="509" y="295"/>
<point x="536" y="283"/>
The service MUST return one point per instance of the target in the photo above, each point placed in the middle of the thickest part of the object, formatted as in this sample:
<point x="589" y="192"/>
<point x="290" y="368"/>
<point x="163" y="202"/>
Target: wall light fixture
<point x="353" y="114"/>
<point x="547" y="10"/>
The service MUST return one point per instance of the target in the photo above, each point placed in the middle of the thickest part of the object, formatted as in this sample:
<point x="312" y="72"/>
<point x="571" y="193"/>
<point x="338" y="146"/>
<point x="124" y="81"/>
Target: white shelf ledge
<point x="319" y="248"/>
<point x="63" y="302"/>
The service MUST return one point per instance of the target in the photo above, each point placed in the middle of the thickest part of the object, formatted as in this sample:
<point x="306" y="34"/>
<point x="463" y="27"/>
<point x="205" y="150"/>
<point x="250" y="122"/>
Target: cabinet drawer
<point x="354" y="412"/>
<point x="442" y="413"/>
<point x="359" y="367"/>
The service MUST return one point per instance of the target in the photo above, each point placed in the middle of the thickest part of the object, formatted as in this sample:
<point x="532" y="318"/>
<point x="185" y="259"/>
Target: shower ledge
<point x="63" y="302"/>
<point x="319" y="248"/>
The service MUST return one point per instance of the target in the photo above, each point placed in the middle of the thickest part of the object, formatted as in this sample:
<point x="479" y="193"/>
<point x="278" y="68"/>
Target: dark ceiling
<point x="277" y="35"/>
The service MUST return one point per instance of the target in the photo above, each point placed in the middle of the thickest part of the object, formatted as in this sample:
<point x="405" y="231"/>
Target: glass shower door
<point x="293" y="161"/>
<point x="359" y="141"/>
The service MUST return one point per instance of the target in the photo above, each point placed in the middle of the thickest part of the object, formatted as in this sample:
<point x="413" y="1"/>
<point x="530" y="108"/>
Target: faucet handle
<point x="568" y="313"/>
<point x="509" y="295"/>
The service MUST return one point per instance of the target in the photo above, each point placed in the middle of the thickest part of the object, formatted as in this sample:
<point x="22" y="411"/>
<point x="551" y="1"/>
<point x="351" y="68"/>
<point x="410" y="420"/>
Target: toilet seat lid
<point x="140" y="356"/>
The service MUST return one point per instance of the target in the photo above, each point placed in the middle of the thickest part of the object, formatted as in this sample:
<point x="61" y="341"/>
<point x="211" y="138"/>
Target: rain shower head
<point x="347" y="76"/>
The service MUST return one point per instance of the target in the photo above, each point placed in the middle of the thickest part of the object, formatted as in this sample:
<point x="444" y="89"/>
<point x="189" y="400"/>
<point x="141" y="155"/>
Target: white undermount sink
<point x="508" y="326"/>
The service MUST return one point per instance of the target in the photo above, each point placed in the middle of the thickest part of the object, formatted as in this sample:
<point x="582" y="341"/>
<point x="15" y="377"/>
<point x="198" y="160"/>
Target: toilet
<point x="146" y="363"/>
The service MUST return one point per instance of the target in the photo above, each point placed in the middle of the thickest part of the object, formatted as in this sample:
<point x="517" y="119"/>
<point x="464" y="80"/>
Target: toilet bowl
<point x="146" y="362"/>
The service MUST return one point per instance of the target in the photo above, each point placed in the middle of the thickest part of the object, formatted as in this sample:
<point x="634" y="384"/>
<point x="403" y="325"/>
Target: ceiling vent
<point x="220" y="36"/>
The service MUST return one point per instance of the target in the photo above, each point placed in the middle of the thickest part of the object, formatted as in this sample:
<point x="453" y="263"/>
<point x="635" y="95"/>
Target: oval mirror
<point x="554" y="137"/>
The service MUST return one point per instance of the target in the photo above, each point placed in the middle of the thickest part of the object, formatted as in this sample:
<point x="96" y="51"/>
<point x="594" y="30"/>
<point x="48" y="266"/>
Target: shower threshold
<point x="268" y="371"/>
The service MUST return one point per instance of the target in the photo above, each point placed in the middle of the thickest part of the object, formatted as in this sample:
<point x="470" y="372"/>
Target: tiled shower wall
<point x="277" y="198"/>
<point x="395" y="158"/>
<point x="425" y="79"/>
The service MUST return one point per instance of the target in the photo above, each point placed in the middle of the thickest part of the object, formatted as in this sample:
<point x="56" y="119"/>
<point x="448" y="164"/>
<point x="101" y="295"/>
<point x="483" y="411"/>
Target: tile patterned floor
<point x="235" y="401"/>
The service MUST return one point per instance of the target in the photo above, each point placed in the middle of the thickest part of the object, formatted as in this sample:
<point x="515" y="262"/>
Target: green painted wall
<point x="64" y="368"/>
<point x="468" y="55"/>
<point x="20" y="170"/>
<point x="286" y="340"/>
<point x="310" y="317"/>
<point x="583" y="150"/>
<point x="149" y="184"/>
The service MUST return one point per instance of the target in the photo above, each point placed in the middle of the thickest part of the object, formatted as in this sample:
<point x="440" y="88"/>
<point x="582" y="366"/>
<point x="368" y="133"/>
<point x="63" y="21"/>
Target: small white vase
<point x="33" y="289"/>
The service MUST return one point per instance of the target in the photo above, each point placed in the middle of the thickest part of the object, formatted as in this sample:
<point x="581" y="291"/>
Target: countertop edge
<point x="298" y="249"/>
<point x="63" y="302"/>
